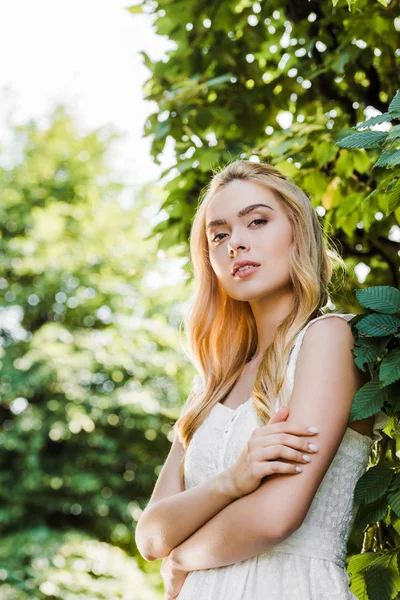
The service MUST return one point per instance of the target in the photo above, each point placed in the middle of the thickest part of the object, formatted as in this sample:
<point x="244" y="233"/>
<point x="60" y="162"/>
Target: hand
<point x="276" y="440"/>
<point x="173" y="576"/>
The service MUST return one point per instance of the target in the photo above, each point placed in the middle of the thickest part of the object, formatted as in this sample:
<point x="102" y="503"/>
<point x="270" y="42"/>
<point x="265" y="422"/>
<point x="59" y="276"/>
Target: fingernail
<point x="313" y="447"/>
<point x="313" y="429"/>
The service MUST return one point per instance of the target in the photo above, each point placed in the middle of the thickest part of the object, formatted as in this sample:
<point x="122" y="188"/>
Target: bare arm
<point x="173" y="513"/>
<point x="233" y="535"/>
<point x="326" y="381"/>
<point x="170" y="521"/>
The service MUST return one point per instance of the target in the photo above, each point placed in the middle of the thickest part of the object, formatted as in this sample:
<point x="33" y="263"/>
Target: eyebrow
<point x="241" y="213"/>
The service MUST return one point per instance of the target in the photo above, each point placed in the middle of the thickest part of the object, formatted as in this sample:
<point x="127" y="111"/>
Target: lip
<point x="246" y="272"/>
<point x="243" y="263"/>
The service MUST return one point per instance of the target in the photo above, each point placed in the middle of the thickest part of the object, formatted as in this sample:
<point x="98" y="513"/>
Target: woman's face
<point x="263" y="235"/>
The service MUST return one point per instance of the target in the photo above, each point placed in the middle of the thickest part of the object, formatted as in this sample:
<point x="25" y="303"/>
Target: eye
<point x="215" y="238"/>
<point x="262" y="220"/>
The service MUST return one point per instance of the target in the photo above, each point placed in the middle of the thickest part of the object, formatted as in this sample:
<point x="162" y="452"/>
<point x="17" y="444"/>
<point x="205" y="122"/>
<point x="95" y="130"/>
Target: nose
<point x="235" y="241"/>
<point x="233" y="248"/>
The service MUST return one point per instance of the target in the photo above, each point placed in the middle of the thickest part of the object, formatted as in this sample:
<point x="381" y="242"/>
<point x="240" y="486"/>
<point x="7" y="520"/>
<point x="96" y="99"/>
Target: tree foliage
<point x="48" y="563"/>
<point x="236" y="67"/>
<point x="92" y="369"/>
<point x="311" y="88"/>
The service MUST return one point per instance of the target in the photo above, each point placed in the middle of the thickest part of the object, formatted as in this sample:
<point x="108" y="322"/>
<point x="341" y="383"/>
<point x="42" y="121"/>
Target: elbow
<point x="144" y="550"/>
<point x="147" y="556"/>
<point x="148" y="545"/>
<point x="143" y="542"/>
<point x="153" y="553"/>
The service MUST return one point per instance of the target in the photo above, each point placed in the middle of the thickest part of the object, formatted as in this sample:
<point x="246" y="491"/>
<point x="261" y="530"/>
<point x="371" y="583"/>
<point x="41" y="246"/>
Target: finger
<point x="296" y="442"/>
<point x="280" y="415"/>
<point x="273" y="467"/>
<point x="284" y="427"/>
<point x="281" y="452"/>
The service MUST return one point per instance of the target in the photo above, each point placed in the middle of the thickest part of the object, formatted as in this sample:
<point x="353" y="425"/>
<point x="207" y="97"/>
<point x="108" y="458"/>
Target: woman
<point x="237" y="521"/>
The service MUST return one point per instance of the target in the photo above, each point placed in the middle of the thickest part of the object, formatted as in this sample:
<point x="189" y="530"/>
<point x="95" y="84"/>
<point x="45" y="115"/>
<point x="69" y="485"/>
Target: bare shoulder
<point x="329" y="344"/>
<point x="334" y="325"/>
<point x="336" y="333"/>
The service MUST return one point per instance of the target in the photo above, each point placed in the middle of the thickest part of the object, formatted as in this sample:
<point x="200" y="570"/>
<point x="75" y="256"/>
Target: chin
<point x="246" y="295"/>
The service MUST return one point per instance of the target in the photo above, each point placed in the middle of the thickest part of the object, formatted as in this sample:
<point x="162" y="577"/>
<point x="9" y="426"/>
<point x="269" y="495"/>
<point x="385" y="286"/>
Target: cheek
<point x="279" y="243"/>
<point x="217" y="266"/>
<point x="276" y="251"/>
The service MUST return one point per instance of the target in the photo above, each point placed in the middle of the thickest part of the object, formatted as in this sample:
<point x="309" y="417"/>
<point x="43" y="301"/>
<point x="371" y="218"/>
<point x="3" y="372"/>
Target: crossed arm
<point x="326" y="381"/>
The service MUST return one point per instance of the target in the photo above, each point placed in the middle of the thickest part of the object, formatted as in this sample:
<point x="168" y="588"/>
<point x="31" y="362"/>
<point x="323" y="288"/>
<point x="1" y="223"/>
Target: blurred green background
<point x="92" y="293"/>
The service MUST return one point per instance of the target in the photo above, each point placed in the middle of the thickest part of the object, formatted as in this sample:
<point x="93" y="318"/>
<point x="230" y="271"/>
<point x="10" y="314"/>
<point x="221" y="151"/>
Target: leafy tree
<point x="93" y="372"/>
<point x="389" y="146"/>
<point x="236" y="68"/>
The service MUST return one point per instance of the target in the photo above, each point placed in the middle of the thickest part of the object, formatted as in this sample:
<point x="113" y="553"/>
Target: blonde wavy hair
<point x="221" y="332"/>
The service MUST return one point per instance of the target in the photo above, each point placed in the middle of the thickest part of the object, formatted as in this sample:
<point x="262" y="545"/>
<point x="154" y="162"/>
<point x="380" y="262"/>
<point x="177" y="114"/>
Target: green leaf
<point x="324" y="153"/>
<point x="381" y="298"/>
<point x="394" y="160"/>
<point x="394" y="133"/>
<point x="357" y="568"/>
<point x="367" y="401"/>
<point x="381" y="578"/>
<point x="364" y="139"/>
<point x="368" y="350"/>
<point x="280" y="147"/>
<point x="361" y="161"/>
<point x="395" y="483"/>
<point x="389" y="371"/>
<point x="287" y="168"/>
<point x="394" y="198"/>
<point x="345" y="164"/>
<point x="376" y="325"/>
<point x="315" y="182"/>
<point x="383" y="118"/>
<point x="359" y="562"/>
<point x="386" y="158"/>
<point x="370" y="513"/>
<point x="372" y="485"/>
<point x="394" y="106"/>
<point x="394" y="501"/>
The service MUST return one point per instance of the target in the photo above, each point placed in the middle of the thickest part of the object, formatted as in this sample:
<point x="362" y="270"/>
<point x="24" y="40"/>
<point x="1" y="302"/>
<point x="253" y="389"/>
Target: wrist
<point x="227" y="485"/>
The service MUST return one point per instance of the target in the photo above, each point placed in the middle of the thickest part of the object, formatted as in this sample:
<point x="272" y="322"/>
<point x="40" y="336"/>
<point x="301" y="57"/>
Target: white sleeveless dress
<point x="308" y="565"/>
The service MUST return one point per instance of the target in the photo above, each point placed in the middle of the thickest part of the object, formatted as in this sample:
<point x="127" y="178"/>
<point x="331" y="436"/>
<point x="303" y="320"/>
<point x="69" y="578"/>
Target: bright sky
<point x="83" y="53"/>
